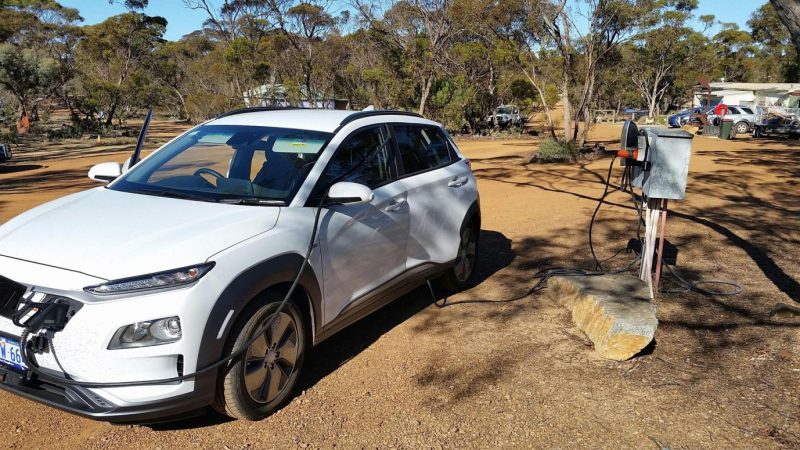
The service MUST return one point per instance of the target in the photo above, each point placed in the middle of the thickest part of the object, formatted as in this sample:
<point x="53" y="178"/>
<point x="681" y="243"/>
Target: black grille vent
<point x="10" y="293"/>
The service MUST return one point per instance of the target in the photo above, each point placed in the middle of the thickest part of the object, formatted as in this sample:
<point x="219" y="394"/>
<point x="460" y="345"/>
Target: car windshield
<point x="503" y="111"/>
<point x="250" y="164"/>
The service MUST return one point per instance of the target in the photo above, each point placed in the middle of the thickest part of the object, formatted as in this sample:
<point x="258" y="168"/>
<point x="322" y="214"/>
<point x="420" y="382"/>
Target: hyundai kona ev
<point x="167" y="290"/>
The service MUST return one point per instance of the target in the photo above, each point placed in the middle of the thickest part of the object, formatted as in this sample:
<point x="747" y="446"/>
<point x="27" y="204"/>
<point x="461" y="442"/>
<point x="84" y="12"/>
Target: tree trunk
<point x="565" y="101"/>
<point x="426" y="91"/>
<point x="184" y="113"/>
<point x="789" y="12"/>
<point x="651" y="107"/>
<point x="532" y="78"/>
<point x="23" y="121"/>
<point x="566" y="67"/>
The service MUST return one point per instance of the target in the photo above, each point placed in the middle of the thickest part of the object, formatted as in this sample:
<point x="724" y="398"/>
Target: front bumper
<point x="83" y="402"/>
<point x="82" y="349"/>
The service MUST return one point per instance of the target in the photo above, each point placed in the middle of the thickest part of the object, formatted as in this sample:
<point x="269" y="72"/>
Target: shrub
<point x="9" y="137"/>
<point x="551" y="150"/>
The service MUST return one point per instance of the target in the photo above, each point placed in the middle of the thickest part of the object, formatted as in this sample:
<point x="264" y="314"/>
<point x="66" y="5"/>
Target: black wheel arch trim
<point x="245" y="288"/>
<point x="473" y="212"/>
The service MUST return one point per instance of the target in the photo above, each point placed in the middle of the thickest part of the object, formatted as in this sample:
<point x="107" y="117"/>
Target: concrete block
<point x="614" y="311"/>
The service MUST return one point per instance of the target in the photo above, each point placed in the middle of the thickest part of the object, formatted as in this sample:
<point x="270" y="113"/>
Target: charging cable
<point x="70" y="381"/>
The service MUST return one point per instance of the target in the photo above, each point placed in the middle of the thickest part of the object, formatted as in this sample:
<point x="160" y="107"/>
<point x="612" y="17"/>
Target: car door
<point x="363" y="246"/>
<point x="440" y="189"/>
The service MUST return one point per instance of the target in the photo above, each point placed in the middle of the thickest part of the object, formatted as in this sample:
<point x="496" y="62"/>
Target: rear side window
<point x="733" y="110"/>
<point x="422" y="148"/>
<point x="747" y="110"/>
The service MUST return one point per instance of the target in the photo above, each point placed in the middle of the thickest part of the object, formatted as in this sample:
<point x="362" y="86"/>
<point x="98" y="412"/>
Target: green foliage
<point x="8" y="137"/>
<point x="551" y="150"/>
<point x="455" y="60"/>
<point x="25" y="73"/>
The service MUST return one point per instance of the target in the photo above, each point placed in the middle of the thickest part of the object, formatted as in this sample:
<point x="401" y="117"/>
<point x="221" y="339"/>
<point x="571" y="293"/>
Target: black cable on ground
<point x="598" y="264"/>
<point x="688" y="286"/>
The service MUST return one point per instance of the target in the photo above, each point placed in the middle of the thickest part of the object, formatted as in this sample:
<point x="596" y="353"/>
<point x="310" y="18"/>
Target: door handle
<point x="395" y="205"/>
<point x="458" y="182"/>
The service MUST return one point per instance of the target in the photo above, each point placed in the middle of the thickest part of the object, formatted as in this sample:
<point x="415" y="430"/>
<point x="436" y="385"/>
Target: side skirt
<point x="380" y="297"/>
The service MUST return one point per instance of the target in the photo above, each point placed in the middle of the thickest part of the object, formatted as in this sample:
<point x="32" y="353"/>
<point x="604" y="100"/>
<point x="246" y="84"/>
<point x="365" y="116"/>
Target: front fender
<point x="246" y="287"/>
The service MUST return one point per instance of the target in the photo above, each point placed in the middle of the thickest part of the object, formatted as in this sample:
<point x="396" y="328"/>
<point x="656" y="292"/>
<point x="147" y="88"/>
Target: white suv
<point x="150" y="297"/>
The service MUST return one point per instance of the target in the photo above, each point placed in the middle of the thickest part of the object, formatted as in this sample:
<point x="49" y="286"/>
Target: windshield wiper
<point x="252" y="201"/>
<point x="174" y="194"/>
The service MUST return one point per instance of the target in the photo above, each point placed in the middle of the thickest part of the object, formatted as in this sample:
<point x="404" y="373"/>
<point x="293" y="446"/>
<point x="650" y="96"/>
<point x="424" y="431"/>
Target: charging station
<point x="659" y="163"/>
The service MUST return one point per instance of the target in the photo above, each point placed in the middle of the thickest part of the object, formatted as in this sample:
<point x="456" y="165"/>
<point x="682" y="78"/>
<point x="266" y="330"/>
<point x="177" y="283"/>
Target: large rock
<point x="614" y="311"/>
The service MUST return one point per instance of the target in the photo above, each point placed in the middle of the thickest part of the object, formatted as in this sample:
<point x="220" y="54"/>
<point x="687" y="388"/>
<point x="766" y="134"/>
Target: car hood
<point x="111" y="234"/>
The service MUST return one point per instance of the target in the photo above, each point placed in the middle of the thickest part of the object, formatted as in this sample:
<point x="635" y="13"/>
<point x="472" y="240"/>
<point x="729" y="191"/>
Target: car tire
<point x="457" y="277"/>
<point x="742" y="127"/>
<point x="253" y="386"/>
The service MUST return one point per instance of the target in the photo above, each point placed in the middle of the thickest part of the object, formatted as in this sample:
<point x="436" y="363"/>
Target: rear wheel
<point x="456" y="278"/>
<point x="258" y="383"/>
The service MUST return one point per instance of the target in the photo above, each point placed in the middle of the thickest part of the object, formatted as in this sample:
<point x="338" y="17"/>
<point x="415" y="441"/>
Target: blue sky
<point x="182" y="20"/>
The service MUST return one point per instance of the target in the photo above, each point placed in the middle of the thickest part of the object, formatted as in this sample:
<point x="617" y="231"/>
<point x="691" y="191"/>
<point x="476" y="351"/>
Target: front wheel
<point x="742" y="128"/>
<point x="455" y="279"/>
<point x="257" y="383"/>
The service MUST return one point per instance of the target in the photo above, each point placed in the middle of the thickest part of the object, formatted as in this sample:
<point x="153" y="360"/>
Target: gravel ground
<point x="488" y="371"/>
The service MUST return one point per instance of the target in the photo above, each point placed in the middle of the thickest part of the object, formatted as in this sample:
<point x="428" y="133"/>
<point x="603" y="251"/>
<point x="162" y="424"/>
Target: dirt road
<point x="484" y="373"/>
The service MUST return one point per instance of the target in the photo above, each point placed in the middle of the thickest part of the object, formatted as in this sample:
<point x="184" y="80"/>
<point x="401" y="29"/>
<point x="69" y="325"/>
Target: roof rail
<point x="380" y="112"/>
<point x="256" y="109"/>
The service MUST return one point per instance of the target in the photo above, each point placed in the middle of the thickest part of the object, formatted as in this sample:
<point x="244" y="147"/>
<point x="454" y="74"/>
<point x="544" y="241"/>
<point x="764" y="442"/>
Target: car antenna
<point x="140" y="142"/>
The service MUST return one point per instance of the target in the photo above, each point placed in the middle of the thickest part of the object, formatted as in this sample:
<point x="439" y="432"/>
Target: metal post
<point x="657" y="282"/>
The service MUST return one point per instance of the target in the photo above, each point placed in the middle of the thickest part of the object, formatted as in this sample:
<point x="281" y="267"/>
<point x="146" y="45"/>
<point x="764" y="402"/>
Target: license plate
<point x="10" y="354"/>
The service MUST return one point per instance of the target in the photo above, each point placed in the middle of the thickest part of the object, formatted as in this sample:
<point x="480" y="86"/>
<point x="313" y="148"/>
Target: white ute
<point x="161" y="293"/>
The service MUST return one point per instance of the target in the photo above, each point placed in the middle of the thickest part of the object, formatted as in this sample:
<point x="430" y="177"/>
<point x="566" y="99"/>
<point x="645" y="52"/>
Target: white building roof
<point x="756" y="87"/>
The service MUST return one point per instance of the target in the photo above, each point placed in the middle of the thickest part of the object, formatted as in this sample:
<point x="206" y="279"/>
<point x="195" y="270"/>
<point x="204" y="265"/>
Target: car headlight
<point x="148" y="333"/>
<point x="161" y="280"/>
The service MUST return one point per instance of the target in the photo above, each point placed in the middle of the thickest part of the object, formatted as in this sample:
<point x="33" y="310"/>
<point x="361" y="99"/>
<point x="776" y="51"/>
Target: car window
<point x="215" y="162"/>
<point x="733" y="110"/>
<point x="747" y="110"/>
<point x="206" y="153"/>
<point x="421" y="148"/>
<point x="367" y="154"/>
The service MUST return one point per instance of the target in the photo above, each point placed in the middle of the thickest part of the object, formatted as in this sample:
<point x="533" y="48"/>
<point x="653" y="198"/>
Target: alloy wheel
<point x="467" y="251"/>
<point x="742" y="128"/>
<point x="270" y="360"/>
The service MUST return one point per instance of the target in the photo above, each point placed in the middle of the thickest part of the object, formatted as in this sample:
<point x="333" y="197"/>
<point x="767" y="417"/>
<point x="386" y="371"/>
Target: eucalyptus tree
<point x="114" y="56"/>
<point x="663" y="50"/>
<point x="777" y="56"/>
<point x="420" y="33"/>
<point x="35" y="51"/>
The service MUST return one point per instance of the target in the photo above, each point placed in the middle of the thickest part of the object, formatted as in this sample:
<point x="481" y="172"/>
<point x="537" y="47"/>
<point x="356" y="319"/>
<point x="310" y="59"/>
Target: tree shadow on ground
<point x="17" y="168"/>
<point x="331" y="354"/>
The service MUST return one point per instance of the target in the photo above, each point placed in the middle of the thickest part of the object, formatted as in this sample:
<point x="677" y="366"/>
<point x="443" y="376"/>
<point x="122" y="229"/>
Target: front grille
<point x="10" y="293"/>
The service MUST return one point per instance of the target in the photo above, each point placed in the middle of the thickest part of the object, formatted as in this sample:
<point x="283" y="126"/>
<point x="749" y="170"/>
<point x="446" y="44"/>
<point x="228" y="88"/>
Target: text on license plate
<point x="10" y="353"/>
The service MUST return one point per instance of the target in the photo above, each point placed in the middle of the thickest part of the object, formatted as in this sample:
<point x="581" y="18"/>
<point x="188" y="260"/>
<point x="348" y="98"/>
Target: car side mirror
<point x="348" y="193"/>
<point x="105" y="172"/>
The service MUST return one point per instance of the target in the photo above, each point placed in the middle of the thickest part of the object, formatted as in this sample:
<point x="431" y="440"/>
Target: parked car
<point x="744" y="118"/>
<point x="681" y="118"/>
<point x="506" y="116"/>
<point x="636" y="113"/>
<point x="5" y="152"/>
<point x="183" y="259"/>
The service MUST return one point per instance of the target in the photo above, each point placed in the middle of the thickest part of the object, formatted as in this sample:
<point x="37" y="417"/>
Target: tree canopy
<point x="453" y="60"/>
